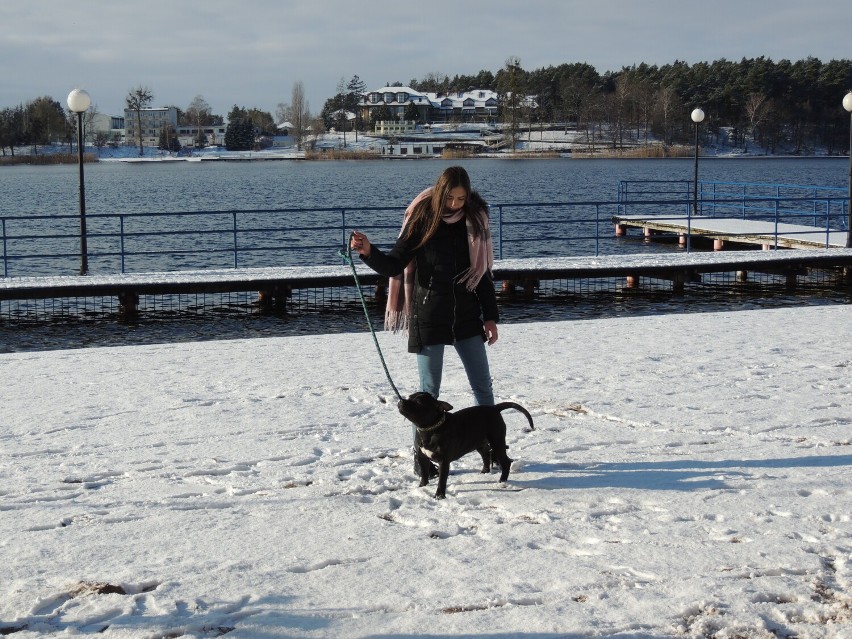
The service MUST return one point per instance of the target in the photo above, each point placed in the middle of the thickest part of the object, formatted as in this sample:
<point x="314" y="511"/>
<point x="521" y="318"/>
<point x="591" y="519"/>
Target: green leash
<point x="346" y="254"/>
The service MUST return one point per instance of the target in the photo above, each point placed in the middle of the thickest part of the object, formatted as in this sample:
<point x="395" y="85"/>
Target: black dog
<point x="444" y="437"/>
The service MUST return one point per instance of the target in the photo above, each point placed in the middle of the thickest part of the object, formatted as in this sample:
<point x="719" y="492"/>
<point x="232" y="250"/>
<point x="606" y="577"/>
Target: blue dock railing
<point x="190" y="240"/>
<point x="820" y="206"/>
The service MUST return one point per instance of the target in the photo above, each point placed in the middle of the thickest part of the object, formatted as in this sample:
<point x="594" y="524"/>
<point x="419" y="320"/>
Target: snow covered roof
<point x="347" y="114"/>
<point x="476" y="98"/>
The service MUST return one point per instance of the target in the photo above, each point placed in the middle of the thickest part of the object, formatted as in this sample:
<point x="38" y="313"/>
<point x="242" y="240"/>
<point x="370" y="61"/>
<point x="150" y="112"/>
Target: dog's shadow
<point x="681" y="474"/>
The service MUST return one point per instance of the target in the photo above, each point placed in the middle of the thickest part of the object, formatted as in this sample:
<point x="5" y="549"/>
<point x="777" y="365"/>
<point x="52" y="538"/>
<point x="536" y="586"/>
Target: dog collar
<point x="440" y="422"/>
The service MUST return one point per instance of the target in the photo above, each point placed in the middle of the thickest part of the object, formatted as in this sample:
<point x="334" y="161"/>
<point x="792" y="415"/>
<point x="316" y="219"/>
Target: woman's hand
<point x="360" y="243"/>
<point x="491" y="331"/>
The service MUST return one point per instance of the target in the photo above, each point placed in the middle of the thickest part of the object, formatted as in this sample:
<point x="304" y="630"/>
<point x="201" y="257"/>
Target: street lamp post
<point x="697" y="116"/>
<point x="78" y="102"/>
<point x="847" y="104"/>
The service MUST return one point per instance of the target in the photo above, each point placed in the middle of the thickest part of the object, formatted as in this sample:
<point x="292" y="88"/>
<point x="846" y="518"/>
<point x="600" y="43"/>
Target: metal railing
<point x="823" y="206"/>
<point x="184" y="240"/>
<point x="188" y="240"/>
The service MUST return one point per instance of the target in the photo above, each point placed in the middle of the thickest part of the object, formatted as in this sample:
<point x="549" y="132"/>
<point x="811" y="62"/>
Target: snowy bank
<point x="689" y="477"/>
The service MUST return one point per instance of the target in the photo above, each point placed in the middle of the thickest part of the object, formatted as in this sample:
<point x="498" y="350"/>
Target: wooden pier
<point x="721" y="230"/>
<point x="277" y="283"/>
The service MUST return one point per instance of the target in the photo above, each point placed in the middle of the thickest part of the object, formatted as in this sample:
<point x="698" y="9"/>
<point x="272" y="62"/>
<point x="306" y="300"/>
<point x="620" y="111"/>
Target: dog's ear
<point x="445" y="406"/>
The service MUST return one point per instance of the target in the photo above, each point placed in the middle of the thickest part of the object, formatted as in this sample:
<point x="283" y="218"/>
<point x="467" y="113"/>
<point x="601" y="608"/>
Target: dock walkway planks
<point x="675" y="266"/>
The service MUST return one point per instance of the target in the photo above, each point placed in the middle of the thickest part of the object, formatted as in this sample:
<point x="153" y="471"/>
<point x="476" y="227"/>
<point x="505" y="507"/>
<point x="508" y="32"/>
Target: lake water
<point x="113" y="187"/>
<point x="273" y="233"/>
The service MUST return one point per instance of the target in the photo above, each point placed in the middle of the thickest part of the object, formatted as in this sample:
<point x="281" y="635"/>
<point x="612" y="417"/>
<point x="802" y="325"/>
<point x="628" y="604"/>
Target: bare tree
<point x="755" y="108"/>
<point x="198" y="112"/>
<point x="573" y="99"/>
<point x="138" y="99"/>
<point x="644" y="102"/>
<point x="316" y="124"/>
<point x="89" y="118"/>
<point x="510" y="83"/>
<point x="341" y="113"/>
<point x="594" y="108"/>
<point x="299" y="113"/>
<point x="282" y="113"/>
<point x="622" y="98"/>
<point x="667" y="106"/>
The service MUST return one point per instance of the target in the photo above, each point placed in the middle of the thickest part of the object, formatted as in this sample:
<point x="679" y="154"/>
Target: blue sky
<point x="250" y="53"/>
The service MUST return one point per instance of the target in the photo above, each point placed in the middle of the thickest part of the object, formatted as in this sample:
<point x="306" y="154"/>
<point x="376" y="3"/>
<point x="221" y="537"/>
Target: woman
<point x="441" y="289"/>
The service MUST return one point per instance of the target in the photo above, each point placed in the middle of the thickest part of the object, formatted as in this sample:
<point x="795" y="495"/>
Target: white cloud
<point x="252" y="53"/>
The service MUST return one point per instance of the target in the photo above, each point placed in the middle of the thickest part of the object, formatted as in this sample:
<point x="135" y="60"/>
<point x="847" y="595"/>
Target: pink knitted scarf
<point x="401" y="287"/>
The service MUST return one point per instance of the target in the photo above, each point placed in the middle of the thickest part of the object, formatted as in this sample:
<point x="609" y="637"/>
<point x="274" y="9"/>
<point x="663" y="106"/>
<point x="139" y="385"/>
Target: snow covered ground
<point x="689" y="476"/>
<point x="554" y="141"/>
<point x="562" y="141"/>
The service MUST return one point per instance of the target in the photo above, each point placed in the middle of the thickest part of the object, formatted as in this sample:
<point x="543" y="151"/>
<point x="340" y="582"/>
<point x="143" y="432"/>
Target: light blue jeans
<point x="430" y="365"/>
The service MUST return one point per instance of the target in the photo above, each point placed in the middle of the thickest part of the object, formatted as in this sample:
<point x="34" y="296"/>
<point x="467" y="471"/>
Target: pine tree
<point x="239" y="136"/>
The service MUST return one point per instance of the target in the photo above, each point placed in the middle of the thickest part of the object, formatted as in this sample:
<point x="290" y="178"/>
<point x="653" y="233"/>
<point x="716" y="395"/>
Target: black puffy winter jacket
<point x="442" y="310"/>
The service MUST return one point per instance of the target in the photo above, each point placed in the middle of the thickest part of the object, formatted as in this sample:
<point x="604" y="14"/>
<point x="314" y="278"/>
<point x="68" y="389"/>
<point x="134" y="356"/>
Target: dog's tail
<point x="504" y="405"/>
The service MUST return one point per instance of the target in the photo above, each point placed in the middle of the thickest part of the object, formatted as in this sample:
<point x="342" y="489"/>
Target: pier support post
<point x="380" y="292"/>
<point x="274" y="298"/>
<point x="529" y="285"/>
<point x="718" y="244"/>
<point x="620" y="230"/>
<point x="742" y="276"/>
<point x="792" y="280"/>
<point x="128" y="305"/>
<point x="632" y="281"/>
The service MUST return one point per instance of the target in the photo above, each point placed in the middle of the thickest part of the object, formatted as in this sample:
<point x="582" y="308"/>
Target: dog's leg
<point x="484" y="450"/>
<point x="443" y="474"/>
<point x="505" y="464"/>
<point x="497" y="440"/>
<point x="425" y="467"/>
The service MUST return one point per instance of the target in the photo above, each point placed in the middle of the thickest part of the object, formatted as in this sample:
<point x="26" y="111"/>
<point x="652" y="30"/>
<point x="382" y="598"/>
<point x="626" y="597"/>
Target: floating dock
<point x="720" y="230"/>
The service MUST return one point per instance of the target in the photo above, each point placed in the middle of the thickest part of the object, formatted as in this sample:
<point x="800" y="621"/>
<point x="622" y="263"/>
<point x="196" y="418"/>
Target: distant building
<point x="342" y="119"/>
<point x="480" y="105"/>
<point x="153" y="120"/>
<point x="105" y="127"/>
<point x="412" y="149"/>
<point x="395" y="127"/>
<point x="188" y="134"/>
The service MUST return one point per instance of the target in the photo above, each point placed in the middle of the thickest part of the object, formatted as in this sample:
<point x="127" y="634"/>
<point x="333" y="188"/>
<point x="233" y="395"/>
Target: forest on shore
<point x="783" y="107"/>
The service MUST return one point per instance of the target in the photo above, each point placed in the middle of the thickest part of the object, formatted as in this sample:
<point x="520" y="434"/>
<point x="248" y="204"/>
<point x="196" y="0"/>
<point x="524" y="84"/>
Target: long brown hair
<point x="426" y="215"/>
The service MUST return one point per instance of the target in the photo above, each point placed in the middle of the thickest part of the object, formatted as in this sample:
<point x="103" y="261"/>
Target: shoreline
<point x="360" y="157"/>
